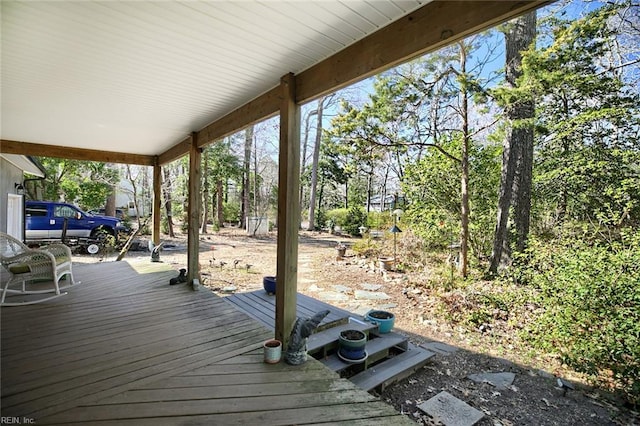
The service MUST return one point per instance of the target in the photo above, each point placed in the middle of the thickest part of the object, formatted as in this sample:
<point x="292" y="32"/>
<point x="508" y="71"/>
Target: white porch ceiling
<point x="139" y="76"/>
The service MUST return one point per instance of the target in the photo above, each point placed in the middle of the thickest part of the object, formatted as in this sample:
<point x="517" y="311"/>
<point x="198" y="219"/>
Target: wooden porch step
<point x="328" y="339"/>
<point x="393" y="369"/>
<point x="377" y="349"/>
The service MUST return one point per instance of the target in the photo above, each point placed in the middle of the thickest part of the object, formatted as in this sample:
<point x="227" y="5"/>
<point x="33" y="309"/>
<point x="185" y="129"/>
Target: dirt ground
<point x="231" y="262"/>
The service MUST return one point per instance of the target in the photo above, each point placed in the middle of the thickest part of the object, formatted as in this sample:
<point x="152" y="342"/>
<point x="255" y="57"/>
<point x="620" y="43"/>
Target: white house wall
<point x="9" y="176"/>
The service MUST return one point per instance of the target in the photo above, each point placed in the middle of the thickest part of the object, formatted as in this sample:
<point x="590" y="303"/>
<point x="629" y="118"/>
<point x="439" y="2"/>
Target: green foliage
<point x="222" y="163"/>
<point x="320" y="219"/>
<point x="357" y="195"/>
<point x="86" y="183"/>
<point x="184" y="224"/>
<point x="231" y="211"/>
<point x="379" y="220"/>
<point x="587" y="155"/>
<point x="367" y="247"/>
<point x="164" y="225"/>
<point x="589" y="306"/>
<point x="356" y="218"/>
<point x="350" y="220"/>
<point x="433" y="186"/>
<point x="337" y="217"/>
<point x="92" y="194"/>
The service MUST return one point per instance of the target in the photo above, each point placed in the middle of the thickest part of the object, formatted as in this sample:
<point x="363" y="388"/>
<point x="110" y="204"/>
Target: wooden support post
<point x="193" y="233"/>
<point x="288" y="210"/>
<point x="157" y="198"/>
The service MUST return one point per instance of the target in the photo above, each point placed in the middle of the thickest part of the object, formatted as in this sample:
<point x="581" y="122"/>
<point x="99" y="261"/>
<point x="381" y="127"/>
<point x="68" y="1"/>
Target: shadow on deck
<point x="124" y="347"/>
<point x="389" y="356"/>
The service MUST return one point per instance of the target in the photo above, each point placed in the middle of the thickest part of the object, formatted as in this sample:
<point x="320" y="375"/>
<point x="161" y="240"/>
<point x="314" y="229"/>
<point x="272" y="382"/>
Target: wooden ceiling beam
<point x="175" y="152"/>
<point x="264" y="106"/>
<point x="437" y="24"/>
<point x="55" y="151"/>
<point x="433" y="26"/>
<point x="261" y="108"/>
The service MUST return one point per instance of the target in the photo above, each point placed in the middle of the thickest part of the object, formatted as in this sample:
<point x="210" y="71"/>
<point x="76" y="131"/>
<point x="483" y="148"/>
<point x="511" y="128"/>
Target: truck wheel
<point x="101" y="235"/>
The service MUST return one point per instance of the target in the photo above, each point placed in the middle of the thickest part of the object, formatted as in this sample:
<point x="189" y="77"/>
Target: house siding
<point x="9" y="176"/>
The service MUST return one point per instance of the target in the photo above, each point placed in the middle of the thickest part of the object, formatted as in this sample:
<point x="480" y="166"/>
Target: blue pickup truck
<point x="49" y="221"/>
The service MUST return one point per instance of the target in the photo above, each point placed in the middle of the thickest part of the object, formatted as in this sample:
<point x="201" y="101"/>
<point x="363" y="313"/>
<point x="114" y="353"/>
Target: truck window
<point x="64" y="211"/>
<point x="36" y="210"/>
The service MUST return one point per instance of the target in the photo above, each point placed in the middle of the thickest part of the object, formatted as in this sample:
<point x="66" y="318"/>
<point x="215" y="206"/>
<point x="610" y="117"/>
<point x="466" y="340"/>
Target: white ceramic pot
<point x="272" y="351"/>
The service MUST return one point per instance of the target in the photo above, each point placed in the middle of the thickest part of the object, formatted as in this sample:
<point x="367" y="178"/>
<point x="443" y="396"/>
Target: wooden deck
<point x="390" y="356"/>
<point x="261" y="306"/>
<point x="124" y="347"/>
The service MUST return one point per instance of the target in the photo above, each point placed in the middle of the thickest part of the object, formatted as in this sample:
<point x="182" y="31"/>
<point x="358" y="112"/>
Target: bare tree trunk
<point x="346" y="193"/>
<point x="244" y="209"/>
<point x="205" y="193"/>
<point x="146" y="192"/>
<point x="110" y="205"/>
<point x="256" y="187"/>
<point x="383" y="192"/>
<point x="134" y="189"/>
<point x="517" y="155"/>
<point x="464" y="179"/>
<point x="314" y="166"/>
<point x="522" y="186"/>
<point x="369" y="188"/>
<point x="166" y="192"/>
<point x="220" y="203"/>
<point x="303" y="157"/>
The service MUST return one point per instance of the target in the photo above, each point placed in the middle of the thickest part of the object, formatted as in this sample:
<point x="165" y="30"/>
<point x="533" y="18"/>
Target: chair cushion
<point x="61" y="259"/>
<point x="19" y="268"/>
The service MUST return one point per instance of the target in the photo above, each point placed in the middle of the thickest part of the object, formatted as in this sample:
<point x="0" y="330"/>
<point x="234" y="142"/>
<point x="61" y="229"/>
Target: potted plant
<point x="386" y="263"/>
<point x="269" y="284"/>
<point x="351" y="346"/>
<point x="341" y="249"/>
<point x="383" y="319"/>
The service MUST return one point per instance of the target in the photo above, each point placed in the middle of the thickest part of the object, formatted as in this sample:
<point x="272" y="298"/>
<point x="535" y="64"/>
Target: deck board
<point x="261" y="306"/>
<point x="124" y="347"/>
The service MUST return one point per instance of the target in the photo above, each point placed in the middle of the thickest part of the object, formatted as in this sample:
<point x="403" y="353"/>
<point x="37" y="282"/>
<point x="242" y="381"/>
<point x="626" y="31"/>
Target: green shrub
<point x="164" y="225"/>
<point x="589" y="299"/>
<point x="379" y="220"/>
<point x="356" y="218"/>
<point x="320" y="219"/>
<point x="337" y="217"/>
<point x="231" y="211"/>
<point x="367" y="247"/>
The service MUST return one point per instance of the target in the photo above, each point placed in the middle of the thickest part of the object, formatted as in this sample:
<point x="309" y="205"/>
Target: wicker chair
<point x="38" y="271"/>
